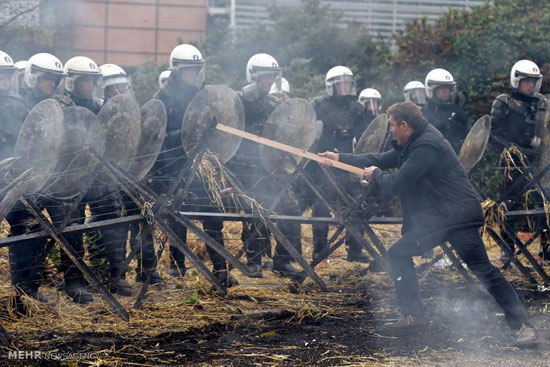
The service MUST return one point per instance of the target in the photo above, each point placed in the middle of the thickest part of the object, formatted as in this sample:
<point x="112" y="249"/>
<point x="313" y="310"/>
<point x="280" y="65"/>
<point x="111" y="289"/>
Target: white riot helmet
<point x="284" y="87"/>
<point x="185" y="57"/>
<point x="115" y="81"/>
<point x="440" y="78"/>
<point x="8" y="81"/>
<point x="337" y="75"/>
<point x="82" y="68"/>
<point x="163" y="77"/>
<point x="415" y="92"/>
<point x="260" y="65"/>
<point x="525" y="69"/>
<point x="42" y="64"/>
<point x="371" y="99"/>
<point x="20" y="65"/>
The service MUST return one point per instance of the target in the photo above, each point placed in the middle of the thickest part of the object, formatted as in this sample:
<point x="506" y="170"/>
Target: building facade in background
<point x="124" y="32"/>
<point x="382" y="17"/>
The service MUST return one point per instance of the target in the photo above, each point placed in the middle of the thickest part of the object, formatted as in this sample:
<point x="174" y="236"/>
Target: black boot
<point x="77" y="291"/>
<point x="141" y="277"/>
<point x="284" y="268"/>
<point x="359" y="257"/>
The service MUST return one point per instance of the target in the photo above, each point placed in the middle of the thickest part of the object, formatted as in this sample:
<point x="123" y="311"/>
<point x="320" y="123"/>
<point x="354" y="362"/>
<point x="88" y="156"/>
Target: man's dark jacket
<point x="433" y="187"/>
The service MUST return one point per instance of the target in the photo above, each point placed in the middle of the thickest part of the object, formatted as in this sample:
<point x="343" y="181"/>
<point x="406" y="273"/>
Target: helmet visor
<point x="87" y="86"/>
<point x="343" y="85"/>
<point x="444" y="93"/>
<point x="529" y="85"/>
<point x="8" y="81"/>
<point x="417" y="96"/>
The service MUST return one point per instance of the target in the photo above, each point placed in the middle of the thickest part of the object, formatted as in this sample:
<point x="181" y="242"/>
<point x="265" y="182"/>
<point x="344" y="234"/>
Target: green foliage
<point x="145" y="80"/>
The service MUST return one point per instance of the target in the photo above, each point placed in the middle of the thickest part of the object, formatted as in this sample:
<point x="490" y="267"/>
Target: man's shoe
<point x="122" y="287"/>
<point x="285" y="269"/>
<point x="526" y="337"/>
<point x="255" y="270"/>
<point x="359" y="257"/>
<point x="407" y="322"/>
<point x="155" y="278"/>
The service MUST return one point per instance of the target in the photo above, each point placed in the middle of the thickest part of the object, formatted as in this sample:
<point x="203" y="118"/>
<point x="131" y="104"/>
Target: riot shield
<point x="38" y="144"/>
<point x="372" y="139"/>
<point x="82" y="148"/>
<point x="293" y="123"/>
<point x="219" y="103"/>
<point x="475" y="143"/>
<point x="121" y="122"/>
<point x="544" y="148"/>
<point x="153" y="128"/>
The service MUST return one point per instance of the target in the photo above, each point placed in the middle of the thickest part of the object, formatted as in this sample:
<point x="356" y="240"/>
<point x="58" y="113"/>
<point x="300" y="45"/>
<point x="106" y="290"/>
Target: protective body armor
<point x="450" y="120"/>
<point x="171" y="158"/>
<point x="515" y="119"/>
<point x="343" y="119"/>
<point x="67" y="100"/>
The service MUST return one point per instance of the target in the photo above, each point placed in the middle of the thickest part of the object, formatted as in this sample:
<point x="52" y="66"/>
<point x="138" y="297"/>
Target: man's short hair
<point x="406" y="111"/>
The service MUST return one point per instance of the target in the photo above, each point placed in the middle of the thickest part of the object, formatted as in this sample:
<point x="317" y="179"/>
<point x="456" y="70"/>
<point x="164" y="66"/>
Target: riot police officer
<point x="441" y="109"/>
<point x="517" y="119"/>
<point x="262" y="72"/>
<point x="24" y="265"/>
<point x="344" y="119"/>
<point x="42" y="75"/>
<point x="186" y="79"/>
<point x="115" y="82"/>
<point x="415" y="92"/>
<point x="372" y="100"/>
<point x="81" y="87"/>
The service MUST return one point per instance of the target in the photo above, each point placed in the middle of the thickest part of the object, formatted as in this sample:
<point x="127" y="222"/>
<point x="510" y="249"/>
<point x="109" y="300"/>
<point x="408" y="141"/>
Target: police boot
<point x="141" y="277"/>
<point x="177" y="263"/>
<point x="358" y="256"/>
<point x="77" y="290"/>
<point x="355" y="252"/>
<point x="116" y="254"/>
<point x="226" y="279"/>
<point x="282" y="266"/>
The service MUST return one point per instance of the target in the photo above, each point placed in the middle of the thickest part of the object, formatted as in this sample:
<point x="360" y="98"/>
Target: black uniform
<point x="450" y="120"/>
<point x="24" y="257"/>
<point x="439" y="204"/>
<point x="168" y="166"/>
<point x="514" y="121"/>
<point x="246" y="165"/>
<point x="343" y="120"/>
<point x="58" y="211"/>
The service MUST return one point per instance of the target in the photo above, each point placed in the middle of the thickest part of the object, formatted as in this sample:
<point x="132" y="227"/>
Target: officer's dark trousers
<point x="292" y="230"/>
<point x="320" y="231"/>
<point x="112" y="240"/>
<point x="25" y="257"/>
<point x="57" y="211"/>
<point x="469" y="245"/>
<point x="141" y="240"/>
<point x="512" y="194"/>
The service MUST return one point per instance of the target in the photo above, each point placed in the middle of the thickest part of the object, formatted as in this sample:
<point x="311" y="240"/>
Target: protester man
<point x="439" y="204"/>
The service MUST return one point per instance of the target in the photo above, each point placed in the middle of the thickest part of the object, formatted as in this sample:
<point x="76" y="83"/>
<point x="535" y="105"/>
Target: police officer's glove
<point x="457" y="118"/>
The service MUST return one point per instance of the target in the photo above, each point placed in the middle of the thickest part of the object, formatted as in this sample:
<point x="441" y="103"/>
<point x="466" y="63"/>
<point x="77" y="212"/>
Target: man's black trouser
<point x="469" y="245"/>
<point x="25" y="256"/>
<point x="57" y="210"/>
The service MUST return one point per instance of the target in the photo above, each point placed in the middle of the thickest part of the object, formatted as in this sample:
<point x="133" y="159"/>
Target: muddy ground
<point x="184" y="324"/>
